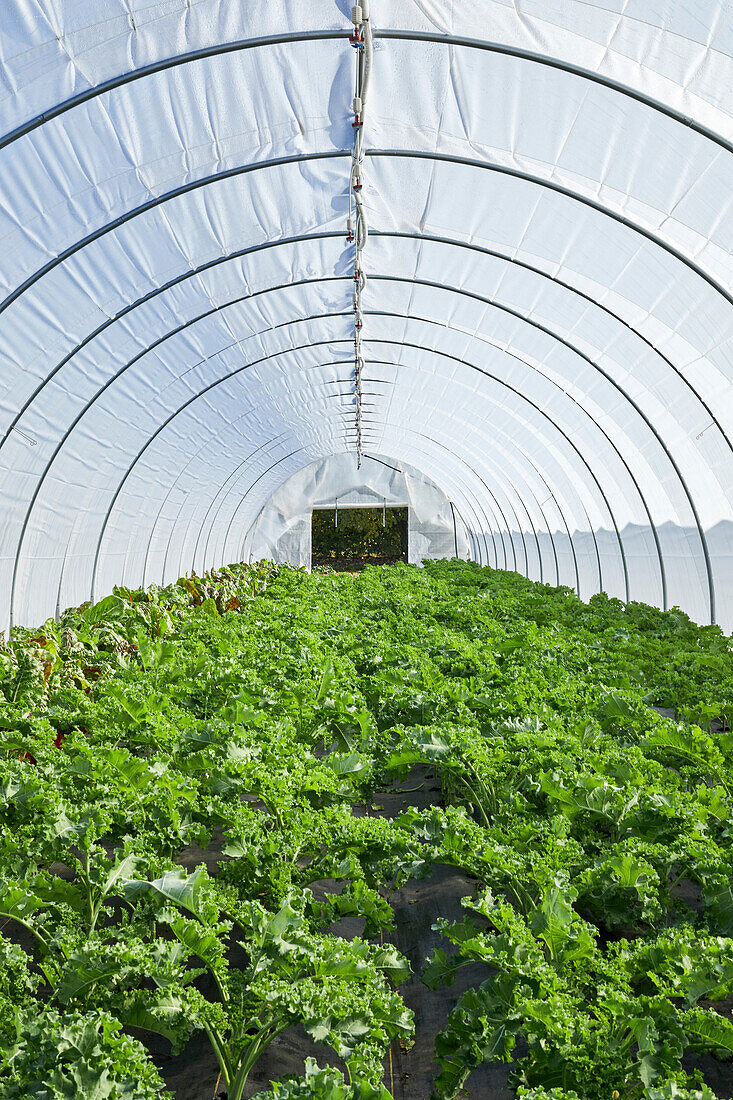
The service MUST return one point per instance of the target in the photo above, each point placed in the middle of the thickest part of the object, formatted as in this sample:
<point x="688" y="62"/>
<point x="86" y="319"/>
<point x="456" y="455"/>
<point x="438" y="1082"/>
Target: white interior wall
<point x="282" y="531"/>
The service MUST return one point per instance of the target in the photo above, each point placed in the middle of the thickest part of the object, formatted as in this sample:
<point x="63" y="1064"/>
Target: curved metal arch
<point x="276" y="440"/>
<point x="194" y="458"/>
<point x="80" y="415"/>
<point x="160" y="200"/>
<point x="486" y="301"/>
<point x="523" y="396"/>
<point x="315" y="344"/>
<point x="566" y="192"/>
<point x="267" y="471"/>
<point x="492" y="496"/>
<point x="472" y="505"/>
<point x="631" y="401"/>
<point x="525" y="266"/>
<point x="519" y="472"/>
<point x="561" y="513"/>
<point x="520" y="497"/>
<point x="521" y="317"/>
<point x="541" y="508"/>
<point x="595" y="366"/>
<point x="499" y="508"/>
<point x="154" y="67"/>
<point x="703" y="540"/>
<point x="550" y="333"/>
<point x="469" y="501"/>
<point x="180" y="409"/>
<point x="484" y="46"/>
<point x="109" y="382"/>
<point x="299" y="239"/>
<point x="550" y="62"/>
<point x="514" y="313"/>
<point x="383" y="462"/>
<point x="189" y="273"/>
<point x="421" y="435"/>
<point x="156" y="344"/>
<point x="409" y="154"/>
<point x="212" y="502"/>
<point x="530" y="520"/>
<point x="497" y="526"/>
<point x="411" y="36"/>
<point x="476" y="248"/>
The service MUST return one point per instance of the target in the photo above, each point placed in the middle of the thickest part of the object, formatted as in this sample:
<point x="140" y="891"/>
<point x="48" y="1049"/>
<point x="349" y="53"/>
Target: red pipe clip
<point x="357" y="39"/>
<point x="357" y="123"/>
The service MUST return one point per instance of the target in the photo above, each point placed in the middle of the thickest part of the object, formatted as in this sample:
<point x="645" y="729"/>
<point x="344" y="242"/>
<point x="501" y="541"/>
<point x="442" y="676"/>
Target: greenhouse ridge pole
<point x="361" y="40"/>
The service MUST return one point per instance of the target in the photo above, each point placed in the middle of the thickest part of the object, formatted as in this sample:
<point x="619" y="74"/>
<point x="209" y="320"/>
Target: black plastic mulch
<point x="409" y="1074"/>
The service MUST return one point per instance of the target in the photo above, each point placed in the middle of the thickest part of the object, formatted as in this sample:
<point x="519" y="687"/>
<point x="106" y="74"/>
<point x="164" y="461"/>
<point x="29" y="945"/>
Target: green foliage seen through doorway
<point x="362" y="534"/>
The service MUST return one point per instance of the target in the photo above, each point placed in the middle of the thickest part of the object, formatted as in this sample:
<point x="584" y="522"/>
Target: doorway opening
<point x="347" y="539"/>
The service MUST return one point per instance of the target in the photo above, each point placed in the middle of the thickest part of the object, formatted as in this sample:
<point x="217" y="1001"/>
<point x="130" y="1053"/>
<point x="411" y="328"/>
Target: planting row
<point x="256" y="712"/>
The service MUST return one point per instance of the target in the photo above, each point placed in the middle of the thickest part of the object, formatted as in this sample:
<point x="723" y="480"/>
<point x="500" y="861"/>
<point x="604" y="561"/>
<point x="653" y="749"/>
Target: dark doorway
<point x="354" y="537"/>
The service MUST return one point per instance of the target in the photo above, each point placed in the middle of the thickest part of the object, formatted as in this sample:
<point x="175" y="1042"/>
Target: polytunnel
<point x="488" y="241"/>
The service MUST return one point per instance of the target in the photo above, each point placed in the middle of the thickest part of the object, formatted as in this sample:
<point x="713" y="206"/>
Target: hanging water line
<point x="357" y="230"/>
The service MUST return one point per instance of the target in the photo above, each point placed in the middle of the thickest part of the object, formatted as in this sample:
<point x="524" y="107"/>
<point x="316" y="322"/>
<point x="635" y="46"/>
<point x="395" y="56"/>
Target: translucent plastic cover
<point x="282" y="531"/>
<point x="547" y="319"/>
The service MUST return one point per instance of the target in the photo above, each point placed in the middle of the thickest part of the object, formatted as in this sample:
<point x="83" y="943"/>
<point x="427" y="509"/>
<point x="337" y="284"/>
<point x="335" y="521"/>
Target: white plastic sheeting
<point x="548" y="322"/>
<point x="282" y="531"/>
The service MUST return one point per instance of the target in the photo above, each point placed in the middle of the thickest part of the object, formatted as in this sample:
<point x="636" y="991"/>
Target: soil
<point x="417" y="907"/>
<point x="194" y="1074"/>
<point x="409" y="1074"/>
